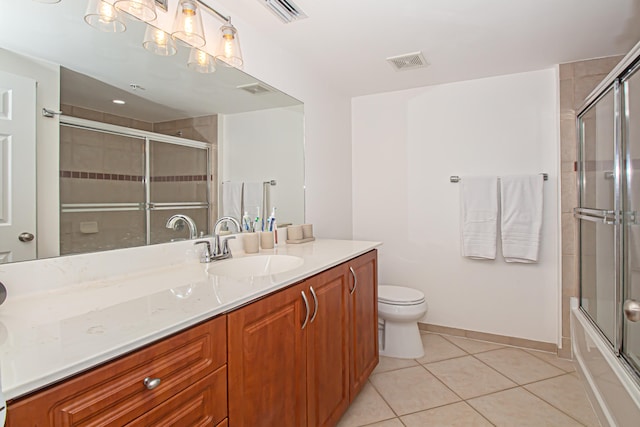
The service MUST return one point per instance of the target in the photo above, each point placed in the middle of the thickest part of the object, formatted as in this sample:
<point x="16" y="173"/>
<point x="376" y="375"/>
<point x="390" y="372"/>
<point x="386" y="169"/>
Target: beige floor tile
<point x="412" y="390"/>
<point x="517" y="407"/>
<point x="564" y="364"/>
<point x="518" y="365"/>
<point x="457" y="415"/>
<point x="469" y="377"/>
<point x="567" y="394"/>
<point x="473" y="346"/>
<point x="394" y="422"/>
<point x="391" y="364"/>
<point x="367" y="408"/>
<point x="437" y="348"/>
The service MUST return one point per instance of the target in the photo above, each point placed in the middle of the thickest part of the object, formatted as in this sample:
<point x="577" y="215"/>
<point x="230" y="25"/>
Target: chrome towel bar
<point x="456" y="178"/>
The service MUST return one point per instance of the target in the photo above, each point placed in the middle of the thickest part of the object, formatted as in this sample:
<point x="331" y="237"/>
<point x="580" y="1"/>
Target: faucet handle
<point x="225" y="245"/>
<point x="206" y="257"/>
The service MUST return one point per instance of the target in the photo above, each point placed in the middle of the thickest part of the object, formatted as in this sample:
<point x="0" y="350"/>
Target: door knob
<point x="632" y="310"/>
<point x="25" y="237"/>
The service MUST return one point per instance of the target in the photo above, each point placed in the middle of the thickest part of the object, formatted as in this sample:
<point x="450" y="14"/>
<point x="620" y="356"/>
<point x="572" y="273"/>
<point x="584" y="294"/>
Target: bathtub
<point x="612" y="389"/>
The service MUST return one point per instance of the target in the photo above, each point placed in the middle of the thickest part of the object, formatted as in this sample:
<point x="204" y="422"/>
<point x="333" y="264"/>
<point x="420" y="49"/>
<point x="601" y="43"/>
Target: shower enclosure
<point x="609" y="215"/>
<point x="118" y="186"/>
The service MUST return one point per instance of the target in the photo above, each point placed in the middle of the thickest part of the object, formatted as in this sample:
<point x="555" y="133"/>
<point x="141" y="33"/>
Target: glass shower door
<point x="631" y="206"/>
<point x="599" y="275"/>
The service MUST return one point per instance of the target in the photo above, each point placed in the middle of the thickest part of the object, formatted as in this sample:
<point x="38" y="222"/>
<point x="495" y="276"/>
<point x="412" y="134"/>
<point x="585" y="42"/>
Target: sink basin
<point x="259" y="265"/>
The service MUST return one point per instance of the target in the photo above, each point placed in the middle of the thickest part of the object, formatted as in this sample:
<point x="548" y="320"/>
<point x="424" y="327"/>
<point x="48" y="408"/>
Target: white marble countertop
<point x="50" y="335"/>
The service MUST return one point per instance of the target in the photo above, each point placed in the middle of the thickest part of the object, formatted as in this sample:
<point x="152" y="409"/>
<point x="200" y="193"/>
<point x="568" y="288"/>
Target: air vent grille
<point x="408" y="61"/>
<point x="286" y="10"/>
<point x="256" y="88"/>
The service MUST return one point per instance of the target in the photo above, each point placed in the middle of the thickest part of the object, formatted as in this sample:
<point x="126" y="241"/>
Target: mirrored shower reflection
<point x="118" y="186"/>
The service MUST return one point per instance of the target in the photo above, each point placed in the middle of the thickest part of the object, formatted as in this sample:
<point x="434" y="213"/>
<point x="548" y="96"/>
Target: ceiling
<point x="347" y="41"/>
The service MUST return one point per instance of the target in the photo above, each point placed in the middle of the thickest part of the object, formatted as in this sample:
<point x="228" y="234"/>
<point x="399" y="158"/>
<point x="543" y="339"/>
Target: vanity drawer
<point x="202" y="404"/>
<point x="115" y="394"/>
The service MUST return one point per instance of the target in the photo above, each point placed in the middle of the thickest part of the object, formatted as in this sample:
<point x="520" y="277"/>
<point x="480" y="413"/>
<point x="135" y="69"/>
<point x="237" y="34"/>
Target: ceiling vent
<point x="408" y="61"/>
<point x="256" y="88"/>
<point x="286" y="10"/>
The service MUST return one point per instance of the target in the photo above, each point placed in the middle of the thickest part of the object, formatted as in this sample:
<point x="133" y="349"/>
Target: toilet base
<point x="401" y="340"/>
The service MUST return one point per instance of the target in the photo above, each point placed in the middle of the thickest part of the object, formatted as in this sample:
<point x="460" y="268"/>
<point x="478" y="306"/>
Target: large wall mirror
<point x="105" y="175"/>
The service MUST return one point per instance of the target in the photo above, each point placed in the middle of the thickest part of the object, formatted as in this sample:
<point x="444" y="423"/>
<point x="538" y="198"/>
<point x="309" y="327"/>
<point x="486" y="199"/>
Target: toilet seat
<point x="399" y="295"/>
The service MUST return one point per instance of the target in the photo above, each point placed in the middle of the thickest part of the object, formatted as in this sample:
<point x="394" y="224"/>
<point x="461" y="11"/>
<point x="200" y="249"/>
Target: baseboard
<point x="494" y="338"/>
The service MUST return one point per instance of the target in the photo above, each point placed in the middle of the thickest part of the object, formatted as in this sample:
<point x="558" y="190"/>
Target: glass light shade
<point x="144" y="10"/>
<point x="201" y="61"/>
<point x="47" y="1"/>
<point x="104" y="17"/>
<point x="158" y="42"/>
<point x="228" y="51"/>
<point x="187" y="26"/>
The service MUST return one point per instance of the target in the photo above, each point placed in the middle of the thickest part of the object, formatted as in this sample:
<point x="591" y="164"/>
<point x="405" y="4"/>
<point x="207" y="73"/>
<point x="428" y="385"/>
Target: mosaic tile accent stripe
<point x="134" y="178"/>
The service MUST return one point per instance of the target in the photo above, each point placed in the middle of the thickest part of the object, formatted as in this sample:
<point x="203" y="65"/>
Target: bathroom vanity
<point x="288" y="349"/>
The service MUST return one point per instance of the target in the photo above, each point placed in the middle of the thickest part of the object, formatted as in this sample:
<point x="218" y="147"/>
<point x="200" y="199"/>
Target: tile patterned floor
<point x="464" y="382"/>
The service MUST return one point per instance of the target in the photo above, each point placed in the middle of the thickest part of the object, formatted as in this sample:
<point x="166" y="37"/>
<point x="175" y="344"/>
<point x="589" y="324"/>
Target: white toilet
<point x="399" y="309"/>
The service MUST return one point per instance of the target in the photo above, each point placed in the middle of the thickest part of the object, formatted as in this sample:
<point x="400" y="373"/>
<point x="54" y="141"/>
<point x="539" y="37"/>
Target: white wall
<point x="47" y="76"/>
<point x="266" y="145"/>
<point x="327" y="129"/>
<point x="406" y="145"/>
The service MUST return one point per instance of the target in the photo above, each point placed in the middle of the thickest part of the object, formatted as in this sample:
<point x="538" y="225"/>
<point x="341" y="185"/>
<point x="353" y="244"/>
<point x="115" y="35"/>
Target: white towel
<point x="521" y="201"/>
<point x="232" y="199"/>
<point x="253" y="198"/>
<point x="479" y="217"/>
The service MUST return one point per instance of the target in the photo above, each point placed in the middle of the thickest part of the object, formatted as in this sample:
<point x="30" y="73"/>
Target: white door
<point x="17" y="168"/>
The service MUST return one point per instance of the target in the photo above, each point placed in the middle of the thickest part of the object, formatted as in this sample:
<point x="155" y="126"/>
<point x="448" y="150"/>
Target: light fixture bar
<point x="212" y="10"/>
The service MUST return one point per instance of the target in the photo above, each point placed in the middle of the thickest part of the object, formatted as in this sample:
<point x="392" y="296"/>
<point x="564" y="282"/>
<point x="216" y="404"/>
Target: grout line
<point x="383" y="399"/>
<point x="533" y="353"/>
<point x="554" y="406"/>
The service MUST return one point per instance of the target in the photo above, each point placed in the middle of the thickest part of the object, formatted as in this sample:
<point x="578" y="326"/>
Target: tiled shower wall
<point x="577" y="80"/>
<point x="102" y="168"/>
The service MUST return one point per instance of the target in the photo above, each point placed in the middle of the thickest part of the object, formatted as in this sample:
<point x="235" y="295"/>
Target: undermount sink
<point x="258" y="265"/>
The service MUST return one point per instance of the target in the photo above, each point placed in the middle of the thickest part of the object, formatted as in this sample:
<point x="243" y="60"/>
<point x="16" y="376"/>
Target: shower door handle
<point x="632" y="310"/>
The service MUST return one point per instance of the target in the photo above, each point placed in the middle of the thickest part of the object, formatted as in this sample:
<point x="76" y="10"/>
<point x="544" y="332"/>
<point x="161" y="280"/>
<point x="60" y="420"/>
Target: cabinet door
<point x="328" y="347"/>
<point x="364" y="319"/>
<point x="267" y="361"/>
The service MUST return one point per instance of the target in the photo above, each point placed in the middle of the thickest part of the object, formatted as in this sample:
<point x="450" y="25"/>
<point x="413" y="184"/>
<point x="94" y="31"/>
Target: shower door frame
<point x="147" y="206"/>
<point x="618" y="218"/>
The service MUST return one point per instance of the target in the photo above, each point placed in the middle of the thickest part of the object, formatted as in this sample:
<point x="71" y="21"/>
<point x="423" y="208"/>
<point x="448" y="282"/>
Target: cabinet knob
<point x="151" y="383"/>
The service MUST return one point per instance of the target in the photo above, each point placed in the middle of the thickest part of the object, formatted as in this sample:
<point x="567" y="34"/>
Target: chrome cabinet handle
<point x="151" y="383"/>
<point x="355" y="280"/>
<point x="26" y="237"/>
<point x="315" y="300"/>
<point x="306" y="304"/>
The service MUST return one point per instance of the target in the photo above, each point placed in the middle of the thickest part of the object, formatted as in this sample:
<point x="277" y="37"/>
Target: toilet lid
<point x="399" y="295"/>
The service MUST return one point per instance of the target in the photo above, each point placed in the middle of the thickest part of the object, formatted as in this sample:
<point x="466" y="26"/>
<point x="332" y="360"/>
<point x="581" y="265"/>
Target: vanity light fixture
<point x="159" y="42"/>
<point x="187" y="26"/>
<point x="228" y="51"/>
<point x="47" y="1"/>
<point x="144" y="10"/>
<point x="118" y="101"/>
<point x="200" y="61"/>
<point x="104" y="17"/>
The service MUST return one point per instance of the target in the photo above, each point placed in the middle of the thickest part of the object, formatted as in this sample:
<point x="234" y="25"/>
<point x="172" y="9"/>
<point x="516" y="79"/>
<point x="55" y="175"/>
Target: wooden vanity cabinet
<point x="364" y="319"/>
<point x="291" y="367"/>
<point x="191" y="366"/>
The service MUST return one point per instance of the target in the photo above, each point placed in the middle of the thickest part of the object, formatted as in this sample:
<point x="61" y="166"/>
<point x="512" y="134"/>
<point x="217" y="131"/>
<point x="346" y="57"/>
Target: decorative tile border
<point x="133" y="178"/>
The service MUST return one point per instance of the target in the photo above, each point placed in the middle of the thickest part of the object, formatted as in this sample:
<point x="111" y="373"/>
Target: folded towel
<point x="252" y="198"/>
<point x="479" y="217"/>
<point x="521" y="201"/>
<point x="232" y="199"/>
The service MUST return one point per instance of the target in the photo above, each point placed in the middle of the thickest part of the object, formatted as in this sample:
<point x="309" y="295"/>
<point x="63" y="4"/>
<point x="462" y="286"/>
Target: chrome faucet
<point x="176" y="219"/>
<point x="216" y="254"/>
<point x="224" y="251"/>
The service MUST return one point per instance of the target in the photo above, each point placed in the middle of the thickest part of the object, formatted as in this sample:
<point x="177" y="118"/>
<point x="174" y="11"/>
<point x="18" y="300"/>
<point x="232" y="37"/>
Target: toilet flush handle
<point x="355" y="280"/>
